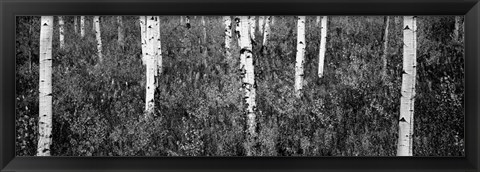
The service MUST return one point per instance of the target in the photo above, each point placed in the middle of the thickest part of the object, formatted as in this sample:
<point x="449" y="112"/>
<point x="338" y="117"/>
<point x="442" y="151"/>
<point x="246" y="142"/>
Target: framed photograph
<point x="239" y="85"/>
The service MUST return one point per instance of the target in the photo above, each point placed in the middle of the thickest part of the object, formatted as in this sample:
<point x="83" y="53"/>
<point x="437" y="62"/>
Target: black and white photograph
<point x="240" y="86"/>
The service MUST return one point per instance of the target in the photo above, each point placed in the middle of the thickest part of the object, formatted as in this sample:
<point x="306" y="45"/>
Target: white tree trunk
<point x="45" y="87"/>
<point x="318" y="20"/>
<point x="143" y="35"/>
<point x="261" y="22"/>
<point x="204" y="30"/>
<point x="405" y="132"/>
<point x="266" y="31"/>
<point x="300" y="55"/>
<point x="75" y="24"/>
<point x="273" y="20"/>
<point x="98" y="36"/>
<point x="457" y="28"/>
<point x="181" y="20"/>
<point x="237" y="31"/>
<point x="228" y="36"/>
<point x="249" y="81"/>
<point x="323" y="42"/>
<point x="153" y="55"/>
<point x="187" y="21"/>
<point x="252" y="23"/>
<point x="120" y="31"/>
<point x="385" y="44"/>
<point x="82" y="26"/>
<point x="61" y="30"/>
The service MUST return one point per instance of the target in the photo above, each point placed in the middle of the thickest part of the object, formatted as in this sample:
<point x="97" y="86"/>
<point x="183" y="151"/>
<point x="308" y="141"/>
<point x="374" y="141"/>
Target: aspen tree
<point x="45" y="87"/>
<point x="204" y="30"/>
<point x="273" y="20"/>
<point x="98" y="36"/>
<point x="61" y="30"/>
<point x="266" y="31"/>
<point x="252" y="23"/>
<point x="323" y="41"/>
<point x="75" y="24"/>
<point x="187" y="21"/>
<point x="153" y="55"/>
<point x="237" y="31"/>
<point x="82" y="26"/>
<point x="300" y="55"/>
<point x="261" y="22"/>
<point x="120" y="31"/>
<point x="385" y="44"/>
<point x="457" y="28"/>
<point x="228" y="35"/>
<point x="318" y="20"/>
<point x="405" y="131"/>
<point x="143" y="35"/>
<point x="248" y="81"/>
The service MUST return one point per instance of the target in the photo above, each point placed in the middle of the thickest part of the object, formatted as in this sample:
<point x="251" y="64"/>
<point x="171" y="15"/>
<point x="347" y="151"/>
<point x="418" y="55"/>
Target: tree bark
<point x="187" y="21"/>
<point x="266" y="31"/>
<point x="75" y="24"/>
<point x="300" y="55"/>
<point x="82" y="26"/>
<point x="228" y="36"/>
<point x="143" y="35"/>
<point x="323" y="42"/>
<point x="261" y="22"/>
<point x="248" y="82"/>
<point x="405" y="132"/>
<point x="237" y="31"/>
<point x="45" y="87"/>
<point x="457" y="28"/>
<point x="252" y="23"/>
<point x="385" y="44"/>
<point x="61" y="30"/>
<point x="204" y="30"/>
<point x="153" y="61"/>
<point x="120" y="31"/>
<point x="98" y="36"/>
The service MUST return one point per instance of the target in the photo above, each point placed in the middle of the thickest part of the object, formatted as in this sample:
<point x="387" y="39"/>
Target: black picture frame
<point x="11" y="8"/>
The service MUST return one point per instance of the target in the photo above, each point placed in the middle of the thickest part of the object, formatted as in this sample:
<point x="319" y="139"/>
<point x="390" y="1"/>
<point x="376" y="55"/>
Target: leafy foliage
<point x="352" y="111"/>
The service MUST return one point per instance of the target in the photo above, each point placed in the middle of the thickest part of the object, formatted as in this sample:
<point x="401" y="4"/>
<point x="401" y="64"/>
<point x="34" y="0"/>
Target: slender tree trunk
<point x="318" y="20"/>
<point x="237" y="31"/>
<point x="153" y="55"/>
<point x="96" y="21"/>
<point x="300" y="55"/>
<point x="187" y="21"/>
<point x="120" y="31"/>
<point x="405" y="132"/>
<point x="143" y="34"/>
<point x="45" y="87"/>
<point x="323" y="42"/>
<point x="457" y="28"/>
<point x="228" y="35"/>
<point x="385" y="44"/>
<point x="252" y="23"/>
<point x="204" y="30"/>
<point x="82" y="26"/>
<point x="181" y="20"/>
<point x="261" y="22"/>
<point x="249" y="82"/>
<point x="273" y="20"/>
<point x="61" y="31"/>
<point x="30" y="33"/>
<point x="266" y="31"/>
<point x="75" y="24"/>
